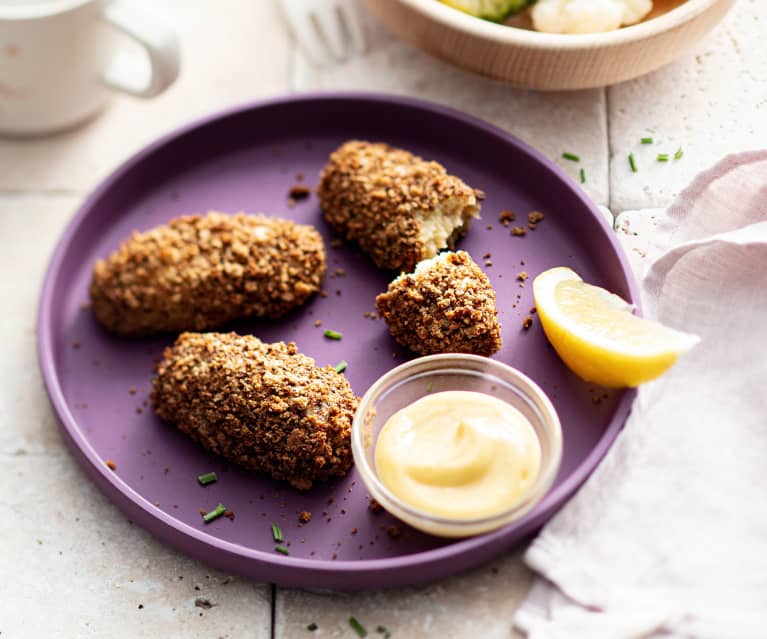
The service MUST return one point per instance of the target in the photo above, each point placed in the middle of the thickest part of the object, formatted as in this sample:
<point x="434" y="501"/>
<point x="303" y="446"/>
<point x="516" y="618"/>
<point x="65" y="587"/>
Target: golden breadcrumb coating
<point x="263" y="406"/>
<point x="200" y="272"/>
<point x="446" y="306"/>
<point x="399" y="207"/>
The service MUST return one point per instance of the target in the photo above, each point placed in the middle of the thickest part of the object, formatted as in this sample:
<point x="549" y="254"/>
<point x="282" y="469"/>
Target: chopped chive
<point x="341" y="366"/>
<point x="383" y="630"/>
<point x="333" y="334"/>
<point x="207" y="478"/>
<point x="312" y="627"/>
<point x="662" y="157"/>
<point x="646" y="140"/>
<point x="282" y="550"/>
<point x="429" y="386"/>
<point x="571" y="156"/>
<point x="678" y="155"/>
<point x="632" y="163"/>
<point x="214" y="514"/>
<point x="277" y="533"/>
<point x="583" y="176"/>
<point x="358" y="627"/>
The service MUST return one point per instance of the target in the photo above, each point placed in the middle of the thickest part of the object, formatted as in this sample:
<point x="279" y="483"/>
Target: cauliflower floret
<point x="587" y="16"/>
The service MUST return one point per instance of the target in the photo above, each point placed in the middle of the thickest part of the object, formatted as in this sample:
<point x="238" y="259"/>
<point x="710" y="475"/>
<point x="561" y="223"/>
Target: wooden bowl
<point x="525" y="58"/>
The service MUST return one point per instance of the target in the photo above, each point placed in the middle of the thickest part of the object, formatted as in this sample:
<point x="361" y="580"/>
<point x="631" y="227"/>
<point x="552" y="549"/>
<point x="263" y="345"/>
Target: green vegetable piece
<point x="214" y="514"/>
<point x="341" y="366"/>
<point x="207" y="478"/>
<point x="358" y="627"/>
<point x="493" y="10"/>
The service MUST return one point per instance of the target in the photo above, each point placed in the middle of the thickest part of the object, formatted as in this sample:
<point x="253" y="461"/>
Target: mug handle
<point x="126" y="72"/>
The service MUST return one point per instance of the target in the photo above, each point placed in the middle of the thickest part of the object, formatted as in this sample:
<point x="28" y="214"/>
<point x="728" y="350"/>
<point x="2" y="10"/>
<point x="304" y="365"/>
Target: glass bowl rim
<point x="521" y="383"/>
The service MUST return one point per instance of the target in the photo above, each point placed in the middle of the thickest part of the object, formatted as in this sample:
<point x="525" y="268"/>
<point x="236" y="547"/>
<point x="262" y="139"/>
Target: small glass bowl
<point x="409" y="382"/>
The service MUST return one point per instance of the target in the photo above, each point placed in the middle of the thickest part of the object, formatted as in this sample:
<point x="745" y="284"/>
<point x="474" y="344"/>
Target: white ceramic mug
<point x="61" y="59"/>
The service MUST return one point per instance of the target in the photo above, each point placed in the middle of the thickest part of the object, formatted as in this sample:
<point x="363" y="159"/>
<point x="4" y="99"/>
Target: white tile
<point x="232" y="52"/>
<point x="711" y="102"/>
<point x="634" y="230"/>
<point x="478" y="604"/>
<point x="552" y="122"/>
<point x="30" y="227"/>
<point x="82" y="570"/>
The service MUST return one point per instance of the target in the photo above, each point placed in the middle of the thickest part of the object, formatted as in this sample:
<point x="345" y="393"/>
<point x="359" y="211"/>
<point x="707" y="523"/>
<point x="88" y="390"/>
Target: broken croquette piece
<point x="446" y="306"/>
<point x="199" y="272"/>
<point x="263" y="406"/>
<point x="398" y="207"/>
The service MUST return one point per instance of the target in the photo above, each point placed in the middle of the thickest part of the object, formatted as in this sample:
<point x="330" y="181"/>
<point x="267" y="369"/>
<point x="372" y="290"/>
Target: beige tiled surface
<point x="84" y="571"/>
<point x="26" y="421"/>
<point x="480" y="603"/>
<point x="711" y="102"/>
<point x="92" y="569"/>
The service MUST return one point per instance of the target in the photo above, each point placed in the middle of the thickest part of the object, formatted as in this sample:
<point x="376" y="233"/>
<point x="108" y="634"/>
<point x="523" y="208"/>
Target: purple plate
<point x="247" y="158"/>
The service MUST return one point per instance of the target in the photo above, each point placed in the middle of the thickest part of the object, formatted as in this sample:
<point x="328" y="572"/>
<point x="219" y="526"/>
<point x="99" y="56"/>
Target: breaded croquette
<point x="199" y="272"/>
<point x="263" y="406"/>
<point x="446" y="306"/>
<point x="398" y="207"/>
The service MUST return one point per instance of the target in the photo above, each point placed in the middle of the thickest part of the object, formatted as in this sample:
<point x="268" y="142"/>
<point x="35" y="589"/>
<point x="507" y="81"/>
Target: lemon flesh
<point x="598" y="337"/>
<point x="495" y="10"/>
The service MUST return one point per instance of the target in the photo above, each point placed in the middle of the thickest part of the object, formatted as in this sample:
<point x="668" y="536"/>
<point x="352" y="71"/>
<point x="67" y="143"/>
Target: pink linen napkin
<point x="668" y="537"/>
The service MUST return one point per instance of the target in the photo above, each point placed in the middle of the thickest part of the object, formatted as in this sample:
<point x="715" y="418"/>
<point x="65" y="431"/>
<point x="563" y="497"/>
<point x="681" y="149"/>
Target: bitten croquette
<point x="263" y="406"/>
<point x="200" y="272"/>
<point x="446" y="306"/>
<point x="398" y="207"/>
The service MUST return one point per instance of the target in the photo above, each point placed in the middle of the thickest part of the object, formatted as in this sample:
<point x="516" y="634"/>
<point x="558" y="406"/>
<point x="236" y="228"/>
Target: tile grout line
<point x="41" y="193"/>
<point x="27" y="453"/>
<point x="608" y="150"/>
<point x="274" y="611"/>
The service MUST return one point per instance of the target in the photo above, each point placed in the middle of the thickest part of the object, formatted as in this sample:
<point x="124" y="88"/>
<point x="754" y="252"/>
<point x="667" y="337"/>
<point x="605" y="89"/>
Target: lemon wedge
<point x="598" y="337"/>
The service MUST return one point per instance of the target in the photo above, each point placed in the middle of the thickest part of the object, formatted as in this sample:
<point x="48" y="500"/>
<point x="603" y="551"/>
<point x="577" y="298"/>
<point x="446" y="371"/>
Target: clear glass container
<point x="409" y="382"/>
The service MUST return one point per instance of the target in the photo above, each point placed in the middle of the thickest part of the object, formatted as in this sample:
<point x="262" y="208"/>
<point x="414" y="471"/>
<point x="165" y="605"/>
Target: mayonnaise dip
<point x="458" y="455"/>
